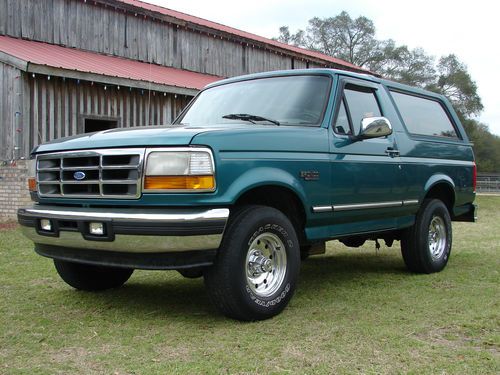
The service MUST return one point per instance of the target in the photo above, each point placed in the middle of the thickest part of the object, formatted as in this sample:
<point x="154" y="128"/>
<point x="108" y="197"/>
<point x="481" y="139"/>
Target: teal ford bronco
<point x="253" y="176"/>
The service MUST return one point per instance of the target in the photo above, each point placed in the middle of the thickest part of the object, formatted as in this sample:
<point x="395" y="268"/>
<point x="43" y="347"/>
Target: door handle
<point x="392" y="152"/>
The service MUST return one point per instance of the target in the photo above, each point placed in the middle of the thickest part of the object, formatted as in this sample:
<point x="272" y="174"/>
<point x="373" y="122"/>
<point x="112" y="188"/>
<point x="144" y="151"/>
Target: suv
<point x="255" y="174"/>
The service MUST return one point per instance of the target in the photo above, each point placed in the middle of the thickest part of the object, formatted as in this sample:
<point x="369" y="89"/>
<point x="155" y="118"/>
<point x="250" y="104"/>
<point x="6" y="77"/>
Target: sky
<point x="440" y="27"/>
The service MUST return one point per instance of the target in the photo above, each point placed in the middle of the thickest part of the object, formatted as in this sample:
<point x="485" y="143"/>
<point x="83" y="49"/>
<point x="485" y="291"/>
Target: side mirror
<point x="375" y="127"/>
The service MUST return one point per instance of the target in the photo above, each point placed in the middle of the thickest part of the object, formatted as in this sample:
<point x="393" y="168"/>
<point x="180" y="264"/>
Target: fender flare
<point x="438" y="178"/>
<point x="266" y="176"/>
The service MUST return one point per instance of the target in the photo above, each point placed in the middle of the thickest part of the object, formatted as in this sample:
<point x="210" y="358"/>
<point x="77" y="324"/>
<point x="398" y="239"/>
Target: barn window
<point x="91" y="125"/>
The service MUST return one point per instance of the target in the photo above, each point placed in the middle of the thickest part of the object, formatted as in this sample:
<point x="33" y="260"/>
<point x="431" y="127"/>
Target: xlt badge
<point x="309" y="175"/>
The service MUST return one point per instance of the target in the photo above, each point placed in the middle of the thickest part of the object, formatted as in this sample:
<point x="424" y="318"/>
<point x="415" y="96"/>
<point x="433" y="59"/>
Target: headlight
<point x="179" y="170"/>
<point x="32" y="175"/>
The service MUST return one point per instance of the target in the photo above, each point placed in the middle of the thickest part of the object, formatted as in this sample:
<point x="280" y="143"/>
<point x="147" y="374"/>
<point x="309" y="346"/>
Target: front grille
<point x="91" y="174"/>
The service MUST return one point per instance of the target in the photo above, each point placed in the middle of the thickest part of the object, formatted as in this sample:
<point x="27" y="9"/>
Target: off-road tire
<point x="426" y="246"/>
<point x="228" y="281"/>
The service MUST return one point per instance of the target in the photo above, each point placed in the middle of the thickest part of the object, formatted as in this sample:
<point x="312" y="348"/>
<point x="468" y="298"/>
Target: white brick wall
<point x="14" y="192"/>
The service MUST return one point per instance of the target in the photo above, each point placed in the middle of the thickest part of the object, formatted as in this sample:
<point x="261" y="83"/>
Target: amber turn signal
<point x="179" y="183"/>
<point x="32" y="184"/>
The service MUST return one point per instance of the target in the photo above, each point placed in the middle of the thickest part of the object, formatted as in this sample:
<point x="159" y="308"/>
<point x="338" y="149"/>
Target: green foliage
<point x="486" y="145"/>
<point x="354" y="40"/>
<point x="409" y="66"/>
<point x="455" y="82"/>
<point x="341" y="36"/>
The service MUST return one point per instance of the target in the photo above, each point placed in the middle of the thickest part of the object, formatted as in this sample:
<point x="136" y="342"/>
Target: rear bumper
<point x="148" y="231"/>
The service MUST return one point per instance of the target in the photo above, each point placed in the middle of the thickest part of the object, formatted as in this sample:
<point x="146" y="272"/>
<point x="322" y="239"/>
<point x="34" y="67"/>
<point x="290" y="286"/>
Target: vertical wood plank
<point x="75" y="109"/>
<point x="3" y="17"/>
<point x="65" y="109"/>
<point x="134" y="110"/>
<point x="43" y="110"/>
<point x="120" y="110"/>
<point x="3" y="114"/>
<point x="26" y="116"/>
<point x="35" y="124"/>
<point x="127" y="112"/>
<point x="51" y="111"/>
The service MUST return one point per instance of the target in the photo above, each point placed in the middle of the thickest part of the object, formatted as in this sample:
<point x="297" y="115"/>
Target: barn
<point x="74" y="66"/>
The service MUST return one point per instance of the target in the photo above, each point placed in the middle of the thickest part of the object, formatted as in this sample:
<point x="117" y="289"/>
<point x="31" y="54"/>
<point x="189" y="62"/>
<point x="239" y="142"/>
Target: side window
<point x="342" y="124"/>
<point x="358" y="103"/>
<point x="424" y="116"/>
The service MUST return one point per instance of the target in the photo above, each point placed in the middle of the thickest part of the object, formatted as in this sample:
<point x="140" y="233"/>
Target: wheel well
<point x="281" y="198"/>
<point x="443" y="192"/>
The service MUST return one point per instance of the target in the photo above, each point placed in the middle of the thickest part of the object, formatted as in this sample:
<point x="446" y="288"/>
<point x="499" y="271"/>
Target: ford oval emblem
<point x="79" y="175"/>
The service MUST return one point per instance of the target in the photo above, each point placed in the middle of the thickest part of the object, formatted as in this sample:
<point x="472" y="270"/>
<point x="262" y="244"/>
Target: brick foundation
<point x="13" y="188"/>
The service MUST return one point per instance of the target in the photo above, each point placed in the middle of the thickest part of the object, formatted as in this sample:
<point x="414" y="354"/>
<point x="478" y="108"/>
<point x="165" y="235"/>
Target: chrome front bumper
<point x="147" y="230"/>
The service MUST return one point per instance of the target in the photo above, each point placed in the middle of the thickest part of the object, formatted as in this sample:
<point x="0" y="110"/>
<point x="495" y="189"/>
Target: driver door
<point x="366" y="191"/>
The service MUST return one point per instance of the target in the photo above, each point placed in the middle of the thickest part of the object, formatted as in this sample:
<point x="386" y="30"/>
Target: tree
<point x="399" y="63"/>
<point x="456" y="84"/>
<point x="341" y="36"/>
<point x="486" y="145"/>
<point x="354" y="40"/>
<point x="296" y="39"/>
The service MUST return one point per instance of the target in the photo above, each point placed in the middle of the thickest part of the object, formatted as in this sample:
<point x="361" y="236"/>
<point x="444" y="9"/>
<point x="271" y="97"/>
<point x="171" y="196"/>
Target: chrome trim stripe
<point x="415" y="160"/>
<point x="364" y="206"/>
<point x="156" y="215"/>
<point x="317" y="209"/>
<point x="410" y="202"/>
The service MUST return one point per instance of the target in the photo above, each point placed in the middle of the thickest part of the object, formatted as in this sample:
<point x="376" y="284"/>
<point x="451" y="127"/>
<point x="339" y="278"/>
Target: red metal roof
<point x="239" y="33"/>
<point x="90" y="62"/>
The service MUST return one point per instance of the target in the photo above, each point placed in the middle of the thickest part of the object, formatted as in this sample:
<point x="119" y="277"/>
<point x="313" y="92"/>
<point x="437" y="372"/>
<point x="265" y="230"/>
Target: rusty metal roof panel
<point x="90" y="62"/>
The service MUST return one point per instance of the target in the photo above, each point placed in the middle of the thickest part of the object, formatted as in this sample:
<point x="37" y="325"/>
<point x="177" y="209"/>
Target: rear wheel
<point x="257" y="266"/>
<point x="90" y="277"/>
<point x="426" y="246"/>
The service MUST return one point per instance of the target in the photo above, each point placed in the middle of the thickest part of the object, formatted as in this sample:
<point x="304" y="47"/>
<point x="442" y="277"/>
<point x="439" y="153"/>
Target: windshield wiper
<point x="250" y="118"/>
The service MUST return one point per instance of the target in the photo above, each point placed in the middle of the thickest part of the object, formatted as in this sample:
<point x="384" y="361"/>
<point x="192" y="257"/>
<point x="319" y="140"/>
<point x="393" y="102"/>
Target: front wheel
<point x="426" y="246"/>
<point x="91" y="278"/>
<point x="257" y="265"/>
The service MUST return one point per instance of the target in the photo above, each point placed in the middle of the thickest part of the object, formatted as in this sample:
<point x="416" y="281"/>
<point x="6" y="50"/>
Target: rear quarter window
<point x="423" y="116"/>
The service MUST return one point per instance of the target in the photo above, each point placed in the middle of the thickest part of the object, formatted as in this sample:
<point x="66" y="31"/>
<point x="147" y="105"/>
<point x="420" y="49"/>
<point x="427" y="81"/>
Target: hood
<point x="130" y="137"/>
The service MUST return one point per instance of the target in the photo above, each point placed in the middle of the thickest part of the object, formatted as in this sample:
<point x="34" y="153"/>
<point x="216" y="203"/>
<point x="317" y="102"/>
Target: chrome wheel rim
<point x="265" y="264"/>
<point x="437" y="237"/>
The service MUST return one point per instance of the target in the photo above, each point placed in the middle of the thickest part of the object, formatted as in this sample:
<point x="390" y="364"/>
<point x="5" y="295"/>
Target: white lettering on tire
<point x="272" y="302"/>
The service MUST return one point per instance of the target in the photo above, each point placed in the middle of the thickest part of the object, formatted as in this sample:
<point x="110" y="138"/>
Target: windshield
<point x="288" y="100"/>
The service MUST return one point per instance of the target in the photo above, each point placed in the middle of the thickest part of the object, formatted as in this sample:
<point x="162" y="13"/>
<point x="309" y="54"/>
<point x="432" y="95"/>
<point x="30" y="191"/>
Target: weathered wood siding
<point x="34" y="110"/>
<point x="300" y="64"/>
<point x="110" y="30"/>
<point x="55" y="108"/>
<point x="11" y="108"/>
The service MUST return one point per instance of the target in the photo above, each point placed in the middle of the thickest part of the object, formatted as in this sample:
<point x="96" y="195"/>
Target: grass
<point x="355" y="311"/>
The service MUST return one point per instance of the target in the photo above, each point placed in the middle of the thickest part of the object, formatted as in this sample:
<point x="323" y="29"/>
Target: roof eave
<point x="13" y="61"/>
<point x="29" y="67"/>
